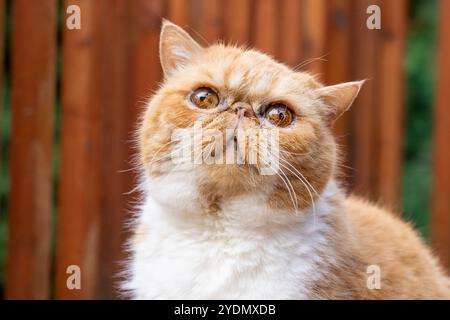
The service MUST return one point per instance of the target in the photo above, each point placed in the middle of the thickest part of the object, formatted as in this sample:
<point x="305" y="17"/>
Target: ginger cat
<point x="271" y="224"/>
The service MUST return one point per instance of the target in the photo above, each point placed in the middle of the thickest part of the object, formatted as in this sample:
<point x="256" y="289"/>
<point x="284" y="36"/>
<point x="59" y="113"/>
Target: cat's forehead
<point x="251" y="71"/>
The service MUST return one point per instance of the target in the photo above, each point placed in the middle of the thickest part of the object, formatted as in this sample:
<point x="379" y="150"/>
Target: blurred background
<point x="70" y="100"/>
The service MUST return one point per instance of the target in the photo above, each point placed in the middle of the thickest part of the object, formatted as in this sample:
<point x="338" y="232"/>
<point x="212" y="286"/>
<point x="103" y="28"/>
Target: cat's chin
<point x="234" y="176"/>
<point x="206" y="185"/>
<point x="218" y="184"/>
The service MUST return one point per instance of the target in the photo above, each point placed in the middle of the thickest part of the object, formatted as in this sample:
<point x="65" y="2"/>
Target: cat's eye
<point x="279" y="115"/>
<point x="205" y="98"/>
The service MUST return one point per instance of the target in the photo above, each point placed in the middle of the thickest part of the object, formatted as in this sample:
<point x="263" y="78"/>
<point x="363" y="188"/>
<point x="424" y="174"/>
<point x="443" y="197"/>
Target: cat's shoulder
<point x="376" y="221"/>
<point x="383" y="238"/>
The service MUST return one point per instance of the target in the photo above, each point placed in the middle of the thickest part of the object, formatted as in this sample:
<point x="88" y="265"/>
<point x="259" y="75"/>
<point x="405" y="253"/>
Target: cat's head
<point x="241" y="123"/>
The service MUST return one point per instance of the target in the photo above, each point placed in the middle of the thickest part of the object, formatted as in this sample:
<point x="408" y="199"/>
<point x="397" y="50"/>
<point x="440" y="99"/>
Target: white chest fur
<point x="243" y="254"/>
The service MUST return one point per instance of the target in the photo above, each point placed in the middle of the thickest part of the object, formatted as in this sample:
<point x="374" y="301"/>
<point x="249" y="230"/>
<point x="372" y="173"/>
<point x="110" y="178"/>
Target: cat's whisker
<point x="302" y="176"/>
<point x="198" y="151"/>
<point x="291" y="186"/>
<point x="309" y="61"/>
<point x="284" y="181"/>
<point x="252" y="176"/>
<point x="336" y="163"/>
<point x="170" y="154"/>
<point x="133" y="190"/>
<point x="295" y="153"/>
<point x="138" y="166"/>
<point x="163" y="157"/>
<point x="302" y="179"/>
<point x="199" y="35"/>
<point x="131" y="169"/>
<point x="307" y="188"/>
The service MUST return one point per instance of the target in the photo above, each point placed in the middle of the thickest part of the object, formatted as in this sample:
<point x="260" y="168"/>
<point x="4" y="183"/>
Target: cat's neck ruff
<point x="227" y="257"/>
<point x="174" y="199"/>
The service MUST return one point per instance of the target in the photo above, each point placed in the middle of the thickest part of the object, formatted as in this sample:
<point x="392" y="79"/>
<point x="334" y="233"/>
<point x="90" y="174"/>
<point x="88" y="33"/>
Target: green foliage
<point x="420" y="66"/>
<point x="5" y="129"/>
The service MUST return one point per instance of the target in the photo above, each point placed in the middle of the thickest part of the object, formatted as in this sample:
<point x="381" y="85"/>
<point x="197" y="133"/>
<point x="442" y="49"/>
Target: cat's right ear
<point x="338" y="98"/>
<point x="176" y="47"/>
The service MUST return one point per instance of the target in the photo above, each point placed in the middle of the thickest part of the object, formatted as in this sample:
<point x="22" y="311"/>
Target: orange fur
<point x="364" y="234"/>
<point x="368" y="235"/>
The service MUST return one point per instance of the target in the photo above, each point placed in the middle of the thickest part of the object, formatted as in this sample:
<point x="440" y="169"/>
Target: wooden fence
<point x="109" y="69"/>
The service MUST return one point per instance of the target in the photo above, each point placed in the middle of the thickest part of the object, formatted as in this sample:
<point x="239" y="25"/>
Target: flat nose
<point x="242" y="109"/>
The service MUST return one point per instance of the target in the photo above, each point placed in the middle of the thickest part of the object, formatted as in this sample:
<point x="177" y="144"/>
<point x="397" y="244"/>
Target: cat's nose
<point x="242" y="109"/>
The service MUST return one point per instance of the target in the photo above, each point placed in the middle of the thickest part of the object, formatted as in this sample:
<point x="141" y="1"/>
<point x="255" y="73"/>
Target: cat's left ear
<point x="338" y="98"/>
<point x="176" y="47"/>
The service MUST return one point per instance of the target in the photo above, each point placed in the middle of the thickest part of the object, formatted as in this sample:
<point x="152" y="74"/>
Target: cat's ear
<point x="338" y="98"/>
<point x="176" y="47"/>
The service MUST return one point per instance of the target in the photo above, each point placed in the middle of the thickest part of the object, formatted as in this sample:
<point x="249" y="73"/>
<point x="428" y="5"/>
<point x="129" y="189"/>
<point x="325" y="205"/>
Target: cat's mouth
<point x="234" y="143"/>
<point x="233" y="146"/>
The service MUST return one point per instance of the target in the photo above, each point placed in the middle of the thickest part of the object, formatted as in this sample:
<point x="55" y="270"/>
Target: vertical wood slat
<point x="145" y="71"/>
<point x="265" y="26"/>
<point x="79" y="218"/>
<point x="94" y="111"/>
<point x="178" y="12"/>
<point x="112" y="59"/>
<point x="337" y="69"/>
<point x="390" y="108"/>
<point x="440" y="218"/>
<point x="33" y="92"/>
<point x="210" y="20"/>
<point x="236" y="24"/>
<point x="2" y="48"/>
<point x="95" y="157"/>
<point x="290" y="32"/>
<point x="364" y="66"/>
<point x="314" y="35"/>
<point x="338" y="41"/>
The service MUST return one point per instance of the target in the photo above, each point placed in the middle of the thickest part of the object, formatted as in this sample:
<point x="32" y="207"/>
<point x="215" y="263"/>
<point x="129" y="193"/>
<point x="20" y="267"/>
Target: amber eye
<point x="205" y="98"/>
<point x="279" y="115"/>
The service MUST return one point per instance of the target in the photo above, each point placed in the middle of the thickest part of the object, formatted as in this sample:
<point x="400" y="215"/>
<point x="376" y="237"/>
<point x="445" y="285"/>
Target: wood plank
<point x="440" y="218"/>
<point x="338" y="70"/>
<point x="2" y="49"/>
<point x="144" y="67"/>
<point x="79" y="214"/>
<point x="33" y="93"/>
<point x="115" y="72"/>
<point x="237" y="21"/>
<point x="265" y="26"/>
<point x="364" y="57"/>
<point x="391" y="106"/>
<point x="290" y="32"/>
<point x="144" y="74"/>
<point x="112" y="65"/>
<point x="314" y="35"/>
<point x="210" y="20"/>
<point x="178" y="12"/>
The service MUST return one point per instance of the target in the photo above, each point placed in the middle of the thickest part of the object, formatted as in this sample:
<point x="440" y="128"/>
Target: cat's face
<point x="274" y="126"/>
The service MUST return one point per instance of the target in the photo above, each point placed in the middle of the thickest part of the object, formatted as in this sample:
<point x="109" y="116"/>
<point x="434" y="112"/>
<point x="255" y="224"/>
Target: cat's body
<point x="324" y="256"/>
<point x="223" y="231"/>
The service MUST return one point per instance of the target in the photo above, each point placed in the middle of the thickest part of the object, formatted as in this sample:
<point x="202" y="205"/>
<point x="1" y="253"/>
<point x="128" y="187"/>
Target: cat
<point x="228" y="231"/>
